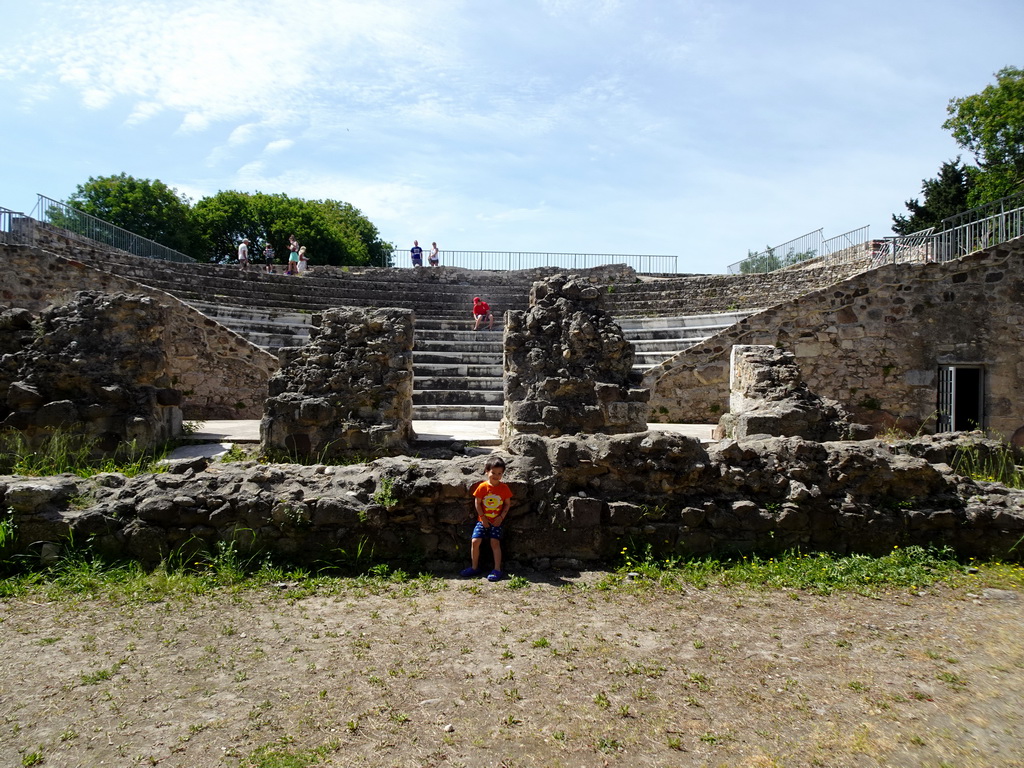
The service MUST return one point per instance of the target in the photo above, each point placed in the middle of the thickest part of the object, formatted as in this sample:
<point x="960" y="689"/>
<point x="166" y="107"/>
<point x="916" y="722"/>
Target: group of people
<point x="297" y="260"/>
<point x="417" y="255"/>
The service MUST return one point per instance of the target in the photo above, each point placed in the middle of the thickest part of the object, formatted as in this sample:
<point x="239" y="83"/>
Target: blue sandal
<point x="467" y="572"/>
<point x="495" y="576"/>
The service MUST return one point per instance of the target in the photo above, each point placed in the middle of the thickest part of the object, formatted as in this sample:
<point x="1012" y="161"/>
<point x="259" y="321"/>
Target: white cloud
<point x="280" y="145"/>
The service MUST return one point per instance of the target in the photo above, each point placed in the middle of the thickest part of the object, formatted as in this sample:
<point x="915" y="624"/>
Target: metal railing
<point x="513" y="260"/>
<point x="974" y="235"/>
<point x="63" y="216"/>
<point x="845" y="242"/>
<point x="12" y="229"/>
<point x="781" y="256"/>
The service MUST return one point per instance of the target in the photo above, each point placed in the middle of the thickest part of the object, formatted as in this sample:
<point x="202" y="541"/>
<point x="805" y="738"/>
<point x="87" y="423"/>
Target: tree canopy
<point x="990" y="125"/>
<point x="946" y="195"/>
<point x="333" y="232"/>
<point x="147" y="208"/>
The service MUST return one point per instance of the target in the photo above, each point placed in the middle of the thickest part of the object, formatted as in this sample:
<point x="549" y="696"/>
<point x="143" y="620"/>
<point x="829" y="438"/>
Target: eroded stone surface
<point x="95" y="366"/>
<point x="577" y="498"/>
<point x="568" y="366"/>
<point x="768" y="397"/>
<point x="348" y="391"/>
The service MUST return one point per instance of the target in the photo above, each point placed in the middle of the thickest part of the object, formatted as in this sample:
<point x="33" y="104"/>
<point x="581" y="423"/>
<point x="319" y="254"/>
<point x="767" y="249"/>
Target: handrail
<point x="793" y="252"/>
<point x="515" y="260"/>
<point x="949" y="244"/>
<point x="12" y="229"/>
<point x="61" y="215"/>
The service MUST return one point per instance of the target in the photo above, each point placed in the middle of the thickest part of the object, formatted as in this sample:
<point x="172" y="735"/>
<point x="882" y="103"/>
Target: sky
<point x="701" y="129"/>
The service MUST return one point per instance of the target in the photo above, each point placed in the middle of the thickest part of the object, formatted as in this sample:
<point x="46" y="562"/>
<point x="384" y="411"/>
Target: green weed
<point x="995" y="467"/>
<point x="821" y="573"/>
<point x="385" y="493"/>
<point x="65" y="452"/>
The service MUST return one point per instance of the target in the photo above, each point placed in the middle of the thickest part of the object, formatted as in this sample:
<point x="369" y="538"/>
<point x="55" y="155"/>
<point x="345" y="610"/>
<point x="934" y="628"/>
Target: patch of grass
<point x="66" y="452"/>
<point x="274" y="756"/>
<point x="822" y="573"/>
<point x="517" y="582"/>
<point x="385" y="493"/>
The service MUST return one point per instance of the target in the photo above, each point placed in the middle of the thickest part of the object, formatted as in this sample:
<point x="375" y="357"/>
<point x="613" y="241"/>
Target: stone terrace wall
<point x="874" y="343"/>
<point x="710" y="294"/>
<point x="580" y="498"/>
<point x="221" y="375"/>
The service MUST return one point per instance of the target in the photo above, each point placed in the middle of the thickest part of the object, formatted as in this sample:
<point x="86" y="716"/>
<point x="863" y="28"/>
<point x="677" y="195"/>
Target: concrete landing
<point x="427" y="430"/>
<point x="215" y="438"/>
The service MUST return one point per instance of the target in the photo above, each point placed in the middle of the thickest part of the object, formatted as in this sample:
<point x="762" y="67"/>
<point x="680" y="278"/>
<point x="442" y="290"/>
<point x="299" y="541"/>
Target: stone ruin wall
<point x="575" y="500"/>
<point x="347" y="392"/>
<point x="568" y="366"/>
<point x="221" y="375"/>
<point x="768" y="397"/>
<point x="94" y="368"/>
<point x="874" y="343"/>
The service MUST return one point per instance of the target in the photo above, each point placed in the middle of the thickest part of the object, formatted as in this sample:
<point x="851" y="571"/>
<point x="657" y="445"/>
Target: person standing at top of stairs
<point x="481" y="312"/>
<point x="417" y="254"/>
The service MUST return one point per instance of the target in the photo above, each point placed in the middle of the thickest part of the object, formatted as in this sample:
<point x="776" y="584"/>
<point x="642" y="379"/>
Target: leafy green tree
<point x="769" y="261"/>
<point x="333" y="232"/>
<point x="758" y="262"/>
<point x="946" y="195"/>
<point x="990" y="125"/>
<point x="147" y="208"/>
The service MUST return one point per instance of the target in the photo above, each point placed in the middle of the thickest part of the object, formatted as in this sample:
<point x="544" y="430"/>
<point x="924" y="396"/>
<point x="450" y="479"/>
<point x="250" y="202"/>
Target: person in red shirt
<point x="492" y="500"/>
<point x="481" y="312"/>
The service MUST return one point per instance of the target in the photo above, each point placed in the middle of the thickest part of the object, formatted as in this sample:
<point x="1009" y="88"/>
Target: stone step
<point x="458" y="397"/>
<point x="422" y="383"/>
<point x="458" y="412"/>
<point x="444" y="324"/>
<point x="454" y="358"/>
<point x="715" y="320"/>
<point x="459" y="347"/>
<point x="443" y="370"/>
<point x="653" y="346"/>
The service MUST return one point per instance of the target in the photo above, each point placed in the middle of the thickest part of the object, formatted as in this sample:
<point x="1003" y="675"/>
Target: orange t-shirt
<point x="493" y="497"/>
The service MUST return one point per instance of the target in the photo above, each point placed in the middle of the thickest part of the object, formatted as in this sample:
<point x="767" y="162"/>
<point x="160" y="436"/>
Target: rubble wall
<point x="579" y="499"/>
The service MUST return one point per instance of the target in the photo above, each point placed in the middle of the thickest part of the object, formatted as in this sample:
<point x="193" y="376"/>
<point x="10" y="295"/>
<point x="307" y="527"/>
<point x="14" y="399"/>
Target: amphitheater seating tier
<point x="457" y="372"/>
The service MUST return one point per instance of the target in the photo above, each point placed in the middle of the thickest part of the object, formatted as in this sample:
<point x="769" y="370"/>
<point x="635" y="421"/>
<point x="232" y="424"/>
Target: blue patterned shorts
<point x="494" y="532"/>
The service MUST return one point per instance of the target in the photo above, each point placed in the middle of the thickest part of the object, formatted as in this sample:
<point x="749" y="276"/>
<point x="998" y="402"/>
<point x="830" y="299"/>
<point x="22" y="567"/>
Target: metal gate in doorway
<point x="961" y="404"/>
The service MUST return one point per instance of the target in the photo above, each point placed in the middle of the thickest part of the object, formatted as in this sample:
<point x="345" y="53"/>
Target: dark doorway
<point x="961" y="398"/>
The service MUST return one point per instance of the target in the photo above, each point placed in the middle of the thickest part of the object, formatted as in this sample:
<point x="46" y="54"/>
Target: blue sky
<point x="690" y="128"/>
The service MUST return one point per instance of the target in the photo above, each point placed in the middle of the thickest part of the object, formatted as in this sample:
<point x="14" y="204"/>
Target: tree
<point x="147" y="208"/>
<point x="333" y="232"/>
<point x="946" y="195"/>
<point x="990" y="125"/>
<point x="768" y="261"/>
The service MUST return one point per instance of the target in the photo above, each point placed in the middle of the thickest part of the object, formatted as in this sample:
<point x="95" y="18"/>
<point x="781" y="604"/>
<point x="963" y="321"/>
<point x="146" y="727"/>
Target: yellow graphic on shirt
<point x="492" y="504"/>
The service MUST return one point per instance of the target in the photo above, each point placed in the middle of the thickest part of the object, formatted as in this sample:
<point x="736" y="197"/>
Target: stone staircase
<point x="457" y="372"/>
<point x="656" y="339"/>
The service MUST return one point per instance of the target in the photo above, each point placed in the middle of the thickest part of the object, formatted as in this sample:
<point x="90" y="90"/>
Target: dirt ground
<point x="554" y="673"/>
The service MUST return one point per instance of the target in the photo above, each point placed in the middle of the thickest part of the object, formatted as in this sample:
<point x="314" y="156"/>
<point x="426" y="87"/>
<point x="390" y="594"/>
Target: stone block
<point x="585" y="512"/>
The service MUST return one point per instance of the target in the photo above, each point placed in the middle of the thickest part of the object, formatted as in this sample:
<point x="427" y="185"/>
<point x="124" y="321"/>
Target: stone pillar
<point x="348" y="391"/>
<point x="767" y="396"/>
<point x="568" y="366"/>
